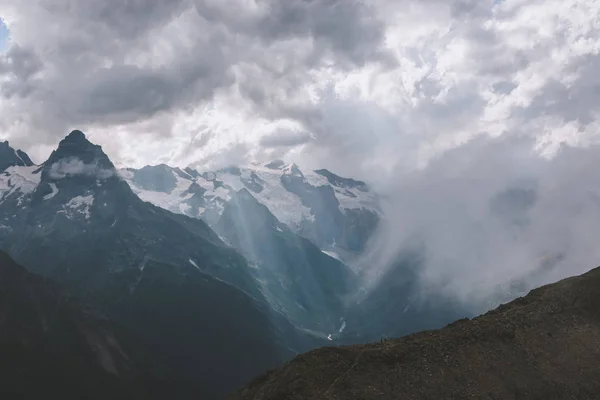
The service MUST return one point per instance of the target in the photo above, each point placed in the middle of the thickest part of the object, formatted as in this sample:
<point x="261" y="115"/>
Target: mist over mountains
<point x="226" y="274"/>
<point x="259" y="179"/>
<point x="218" y="305"/>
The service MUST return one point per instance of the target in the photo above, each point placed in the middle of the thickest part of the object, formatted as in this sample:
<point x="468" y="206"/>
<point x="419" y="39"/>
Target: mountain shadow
<point x="52" y="345"/>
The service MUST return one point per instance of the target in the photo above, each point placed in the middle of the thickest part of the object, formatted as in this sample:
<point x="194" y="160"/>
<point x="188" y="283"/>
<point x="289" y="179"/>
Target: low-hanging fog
<point x="492" y="214"/>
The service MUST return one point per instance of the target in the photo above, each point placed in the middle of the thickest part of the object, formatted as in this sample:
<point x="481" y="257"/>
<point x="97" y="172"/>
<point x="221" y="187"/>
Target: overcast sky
<point x="479" y="93"/>
<point x="321" y="81"/>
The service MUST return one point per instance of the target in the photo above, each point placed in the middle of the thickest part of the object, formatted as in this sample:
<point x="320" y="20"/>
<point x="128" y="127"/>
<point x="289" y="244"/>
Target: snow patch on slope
<point x="172" y="201"/>
<point x="54" y="192"/>
<point x="343" y="327"/>
<point x="19" y="179"/>
<point x="285" y="206"/>
<point x="333" y="255"/>
<point x="79" y="205"/>
<point x="194" y="264"/>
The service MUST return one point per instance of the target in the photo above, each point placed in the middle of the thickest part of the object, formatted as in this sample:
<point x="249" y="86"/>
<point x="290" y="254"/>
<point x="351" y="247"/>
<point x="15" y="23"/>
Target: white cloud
<point x="489" y="215"/>
<point x="73" y="167"/>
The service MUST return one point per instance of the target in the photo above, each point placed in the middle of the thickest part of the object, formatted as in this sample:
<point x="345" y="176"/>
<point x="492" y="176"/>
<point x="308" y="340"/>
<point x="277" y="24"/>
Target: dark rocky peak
<point x="76" y="136"/>
<point x="288" y="169"/>
<point x="25" y="158"/>
<point x="9" y="157"/>
<point x="195" y="189"/>
<point x="275" y="164"/>
<point x="182" y="174"/>
<point x="159" y="178"/>
<point x="293" y="170"/>
<point x="346" y="183"/>
<point x="75" y="144"/>
<point x="192" y="172"/>
<point x="80" y="169"/>
<point x="253" y="182"/>
<point x="77" y="157"/>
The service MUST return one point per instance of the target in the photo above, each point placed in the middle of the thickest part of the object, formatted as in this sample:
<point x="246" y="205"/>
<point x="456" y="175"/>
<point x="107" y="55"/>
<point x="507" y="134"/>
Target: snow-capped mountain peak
<point x="319" y="205"/>
<point x="76" y="182"/>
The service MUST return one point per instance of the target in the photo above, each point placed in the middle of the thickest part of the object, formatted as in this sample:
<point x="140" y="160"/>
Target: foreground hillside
<point x="51" y="346"/>
<point x="545" y="345"/>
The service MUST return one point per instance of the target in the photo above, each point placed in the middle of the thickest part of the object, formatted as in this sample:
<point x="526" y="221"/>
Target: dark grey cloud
<point x="20" y="62"/>
<point x="129" y="19"/>
<point x="115" y="63"/>
<point x="124" y="90"/>
<point x="349" y="30"/>
<point x="504" y="87"/>
<point x="122" y="19"/>
<point x="19" y="66"/>
<point x="126" y="93"/>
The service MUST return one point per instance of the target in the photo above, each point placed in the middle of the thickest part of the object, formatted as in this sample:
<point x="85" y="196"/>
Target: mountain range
<point x="165" y="277"/>
<point x="301" y="230"/>
<point x="204" y="279"/>
<point x="223" y="274"/>
<point x="337" y="214"/>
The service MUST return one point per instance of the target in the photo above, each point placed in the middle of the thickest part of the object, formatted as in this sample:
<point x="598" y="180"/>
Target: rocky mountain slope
<point x="77" y="199"/>
<point x="300" y="281"/>
<point x="217" y="316"/>
<point x="10" y="157"/>
<point x="166" y="277"/>
<point x="300" y="230"/>
<point x="335" y="213"/>
<point x="52" y="345"/>
<point x="545" y="345"/>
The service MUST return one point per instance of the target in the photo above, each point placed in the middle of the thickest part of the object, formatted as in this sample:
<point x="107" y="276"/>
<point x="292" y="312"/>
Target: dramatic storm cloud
<point x="454" y="110"/>
<point x="389" y="82"/>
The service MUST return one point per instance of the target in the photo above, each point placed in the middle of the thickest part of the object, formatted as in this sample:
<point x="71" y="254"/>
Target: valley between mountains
<point x="222" y="274"/>
<point x="192" y="283"/>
